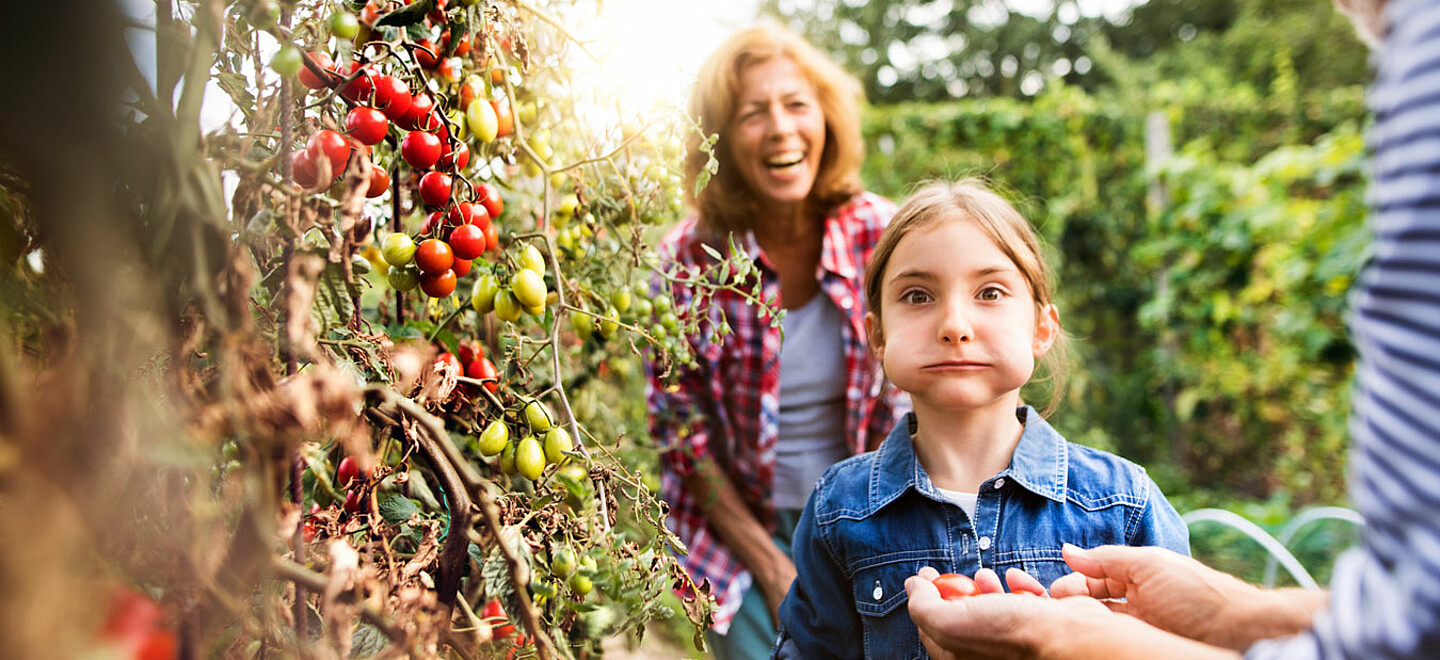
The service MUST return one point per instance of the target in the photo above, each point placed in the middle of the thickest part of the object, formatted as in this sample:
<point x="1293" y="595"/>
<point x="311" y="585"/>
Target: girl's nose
<point x="956" y="327"/>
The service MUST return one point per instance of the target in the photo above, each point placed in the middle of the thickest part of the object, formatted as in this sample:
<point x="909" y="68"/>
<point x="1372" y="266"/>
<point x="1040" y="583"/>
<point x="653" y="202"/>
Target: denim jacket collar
<point x="1040" y="463"/>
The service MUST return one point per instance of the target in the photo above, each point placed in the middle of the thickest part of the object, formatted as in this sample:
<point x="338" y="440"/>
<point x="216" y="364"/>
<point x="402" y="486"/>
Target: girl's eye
<point x="915" y="297"/>
<point x="991" y="294"/>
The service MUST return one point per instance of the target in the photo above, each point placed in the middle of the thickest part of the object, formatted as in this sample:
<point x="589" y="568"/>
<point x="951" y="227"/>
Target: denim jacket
<point x="875" y="519"/>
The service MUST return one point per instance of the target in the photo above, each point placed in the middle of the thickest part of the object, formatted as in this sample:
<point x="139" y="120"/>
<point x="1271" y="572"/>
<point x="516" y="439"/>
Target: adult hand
<point x="992" y="624"/>
<point x="1172" y="592"/>
<point x="1020" y="582"/>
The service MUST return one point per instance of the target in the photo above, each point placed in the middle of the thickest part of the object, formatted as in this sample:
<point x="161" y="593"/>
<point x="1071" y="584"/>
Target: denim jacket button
<point x="984" y="543"/>
<point x="999" y="483"/>
<point x="878" y="593"/>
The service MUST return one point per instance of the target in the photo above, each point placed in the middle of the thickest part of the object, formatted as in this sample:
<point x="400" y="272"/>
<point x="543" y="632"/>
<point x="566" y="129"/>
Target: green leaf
<point x="397" y="509"/>
<point x="420" y="490"/>
<point x="407" y="15"/>
<point x="367" y="641"/>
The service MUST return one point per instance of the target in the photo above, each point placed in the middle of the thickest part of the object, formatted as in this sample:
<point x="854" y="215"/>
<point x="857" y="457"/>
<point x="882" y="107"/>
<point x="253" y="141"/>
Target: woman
<point x="746" y="431"/>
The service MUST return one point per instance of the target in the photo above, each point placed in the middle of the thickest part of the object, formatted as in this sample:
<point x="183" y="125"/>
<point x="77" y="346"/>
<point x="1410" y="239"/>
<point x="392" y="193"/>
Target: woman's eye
<point x="991" y="294"/>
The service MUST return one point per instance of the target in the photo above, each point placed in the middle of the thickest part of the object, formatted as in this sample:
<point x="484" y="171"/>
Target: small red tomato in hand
<point x="954" y="586"/>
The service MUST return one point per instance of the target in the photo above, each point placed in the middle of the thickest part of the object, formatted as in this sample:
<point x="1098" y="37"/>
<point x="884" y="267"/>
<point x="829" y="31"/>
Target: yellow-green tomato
<point x="581" y="584"/>
<point x="583" y="324"/>
<point x="398" y="249"/>
<point x="529" y="288"/>
<point x="538" y="416"/>
<point x="609" y="325"/>
<point x="620" y="298"/>
<point x="482" y="119"/>
<point x="562" y="562"/>
<point x="529" y="458"/>
<point x="403" y="278"/>
<point x="482" y="295"/>
<point x="494" y="438"/>
<point x="507" y="458"/>
<point x="506" y="307"/>
<point x="532" y="259"/>
<point x="557" y="442"/>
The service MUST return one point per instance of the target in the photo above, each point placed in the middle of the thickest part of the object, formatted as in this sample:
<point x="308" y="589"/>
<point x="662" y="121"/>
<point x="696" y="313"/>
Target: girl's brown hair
<point x="727" y="203"/>
<point x="971" y="199"/>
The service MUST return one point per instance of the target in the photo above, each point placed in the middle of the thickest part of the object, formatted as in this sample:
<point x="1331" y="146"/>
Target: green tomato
<point x="344" y="25"/>
<point x="403" y="278"/>
<point x="643" y="308"/>
<point x="582" y="324"/>
<point x="587" y="565"/>
<point x="538" y="415"/>
<point x="581" y="584"/>
<point x="557" y="442"/>
<point x="529" y="288"/>
<point x="495" y="438"/>
<point x="562" y="562"/>
<point x="506" y="307"/>
<point x="480" y="115"/>
<point x="529" y="458"/>
<point x="482" y="295"/>
<point x="620" y="299"/>
<point x="507" y="458"/>
<point x="287" y="61"/>
<point x="609" y="325"/>
<point x="398" y="249"/>
<point x="526" y="112"/>
<point x="542" y="588"/>
<point x="532" y="259"/>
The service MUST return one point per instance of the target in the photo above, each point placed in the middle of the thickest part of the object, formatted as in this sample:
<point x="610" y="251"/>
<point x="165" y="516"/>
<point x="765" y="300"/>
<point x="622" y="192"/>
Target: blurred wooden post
<point x="1158" y="150"/>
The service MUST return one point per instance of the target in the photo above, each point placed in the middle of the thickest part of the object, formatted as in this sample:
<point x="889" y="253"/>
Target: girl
<point x="959" y="312"/>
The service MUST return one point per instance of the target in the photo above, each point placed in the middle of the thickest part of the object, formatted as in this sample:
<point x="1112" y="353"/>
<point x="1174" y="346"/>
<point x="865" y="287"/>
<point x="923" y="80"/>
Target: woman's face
<point x="778" y="132"/>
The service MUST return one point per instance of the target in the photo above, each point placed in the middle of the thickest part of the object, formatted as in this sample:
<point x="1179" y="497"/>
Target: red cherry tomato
<point x="456" y="160"/>
<point x="462" y="267"/>
<point x="435" y="188"/>
<point x="468" y="351"/>
<point x="420" y="149"/>
<point x="450" y="359"/>
<point x="467" y="241"/>
<point x="308" y="78"/>
<point x="434" y="256"/>
<point x="367" y="125"/>
<point x="353" y="500"/>
<point x="469" y="91"/>
<point x="332" y="146"/>
<point x="302" y="169"/>
<point x="392" y="97"/>
<point x="479" y="216"/>
<point x="438" y="285"/>
<point x="504" y="119"/>
<point x="427" y="55"/>
<point x="433" y="222"/>
<point x="132" y="614"/>
<point x="348" y="470"/>
<point x="482" y="369"/>
<point x="362" y="87"/>
<point x="494" y="614"/>
<point x="492" y="237"/>
<point x="491" y="199"/>
<point x="954" y="586"/>
<point x="422" y="109"/>
<point x="379" y="182"/>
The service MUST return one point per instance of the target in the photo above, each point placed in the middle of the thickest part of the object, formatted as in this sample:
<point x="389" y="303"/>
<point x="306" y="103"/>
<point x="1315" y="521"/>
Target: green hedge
<point x="1209" y="330"/>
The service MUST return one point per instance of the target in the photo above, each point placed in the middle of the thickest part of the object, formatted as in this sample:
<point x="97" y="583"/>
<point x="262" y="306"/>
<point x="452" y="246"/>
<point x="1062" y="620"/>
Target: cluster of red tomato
<point x="472" y="362"/>
<point x="134" y="626"/>
<point x="460" y="226"/>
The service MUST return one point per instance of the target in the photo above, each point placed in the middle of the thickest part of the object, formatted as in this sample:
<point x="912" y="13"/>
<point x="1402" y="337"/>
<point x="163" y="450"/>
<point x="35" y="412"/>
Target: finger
<point x="1105" y="566"/>
<point x="1023" y="583"/>
<point x="921" y="590"/>
<point x="1071" y="584"/>
<point x="988" y="581"/>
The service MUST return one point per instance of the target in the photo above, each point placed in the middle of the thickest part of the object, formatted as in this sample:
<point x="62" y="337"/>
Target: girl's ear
<point x="1047" y="329"/>
<point x="874" y="336"/>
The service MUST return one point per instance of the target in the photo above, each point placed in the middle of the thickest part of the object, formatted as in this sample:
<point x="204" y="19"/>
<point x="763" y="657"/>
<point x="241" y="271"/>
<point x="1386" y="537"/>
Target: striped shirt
<point x="727" y="408"/>
<point x="1385" y="594"/>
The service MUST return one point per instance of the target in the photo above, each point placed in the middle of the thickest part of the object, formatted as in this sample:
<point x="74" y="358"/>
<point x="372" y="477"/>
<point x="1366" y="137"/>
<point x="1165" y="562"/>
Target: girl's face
<point x="778" y="131"/>
<point x="959" y="325"/>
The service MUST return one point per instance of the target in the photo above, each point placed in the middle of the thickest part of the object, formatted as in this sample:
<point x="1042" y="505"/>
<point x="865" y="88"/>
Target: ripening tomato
<point x="449" y="69"/>
<point x="492" y="237"/>
<point x="954" y="586"/>
<point x="456" y="159"/>
<point x="485" y="371"/>
<point x="435" y="188"/>
<point x="367" y="125"/>
<point x="308" y="77"/>
<point x="495" y="436"/>
<point x="482" y="294"/>
<point x="427" y="55"/>
<point x="420" y="149"/>
<point x="392" y="97"/>
<point x="480" y="218"/>
<point x="433" y="223"/>
<point x="450" y="360"/>
<point x="434" y="256"/>
<point x="421" y="111"/>
<point x="504" y="119"/>
<point x="438" y="285"/>
<point x="468" y="350"/>
<point x="470" y="90"/>
<point x="462" y="267"/>
<point x="349" y="470"/>
<point x="468" y="242"/>
<point x="379" y="182"/>
<point x="529" y="288"/>
<point x="530" y="458"/>
<point x="459" y="214"/>
<point x="353" y="500"/>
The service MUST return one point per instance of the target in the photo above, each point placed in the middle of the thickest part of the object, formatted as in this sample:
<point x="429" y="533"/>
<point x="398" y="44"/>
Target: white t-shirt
<point x="966" y="501"/>
<point x="812" y="400"/>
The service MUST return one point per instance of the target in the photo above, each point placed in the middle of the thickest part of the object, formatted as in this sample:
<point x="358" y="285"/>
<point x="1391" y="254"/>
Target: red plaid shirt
<point x="727" y="408"/>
